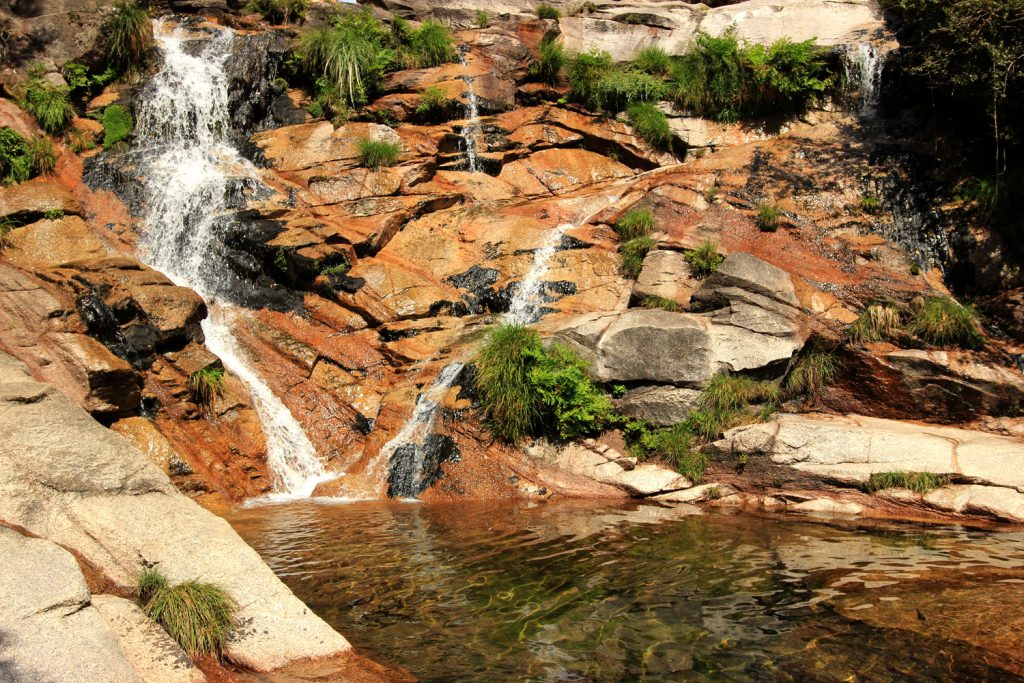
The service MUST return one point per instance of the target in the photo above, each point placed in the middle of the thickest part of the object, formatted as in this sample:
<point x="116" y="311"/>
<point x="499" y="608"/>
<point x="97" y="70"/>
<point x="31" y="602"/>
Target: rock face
<point x="51" y="632"/>
<point x="666" y="275"/>
<point x="67" y="479"/>
<point x="660" y="405"/>
<point x="608" y="466"/>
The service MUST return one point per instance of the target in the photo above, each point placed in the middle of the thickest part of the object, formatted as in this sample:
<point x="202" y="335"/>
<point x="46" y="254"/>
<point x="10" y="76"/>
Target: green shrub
<point x="546" y="11"/>
<point x="653" y="60"/>
<point x="638" y="222"/>
<point x="377" y="153"/>
<point x="870" y="204"/>
<point x="335" y="269"/>
<point x="768" y="217"/>
<point x="483" y="19"/>
<point x="431" y="44"/>
<point x="678" y="445"/>
<point x="651" y="124"/>
<point x="199" y="616"/>
<point x="617" y="89"/>
<point x="631" y="255"/>
<point x="22" y="159"/>
<point x="279" y="11"/>
<point x="944" y="322"/>
<point x="584" y="70"/>
<point x="433" y="103"/>
<point x="919" y="482"/>
<point x="117" y="125"/>
<point x="351" y="55"/>
<point x="812" y="372"/>
<point x="205" y="383"/>
<point x="525" y="389"/>
<point x="129" y="35"/>
<point x="659" y="302"/>
<point x="79" y="79"/>
<point x="49" y="104"/>
<point x="548" y="66"/>
<point x="876" y="323"/>
<point x="704" y="260"/>
<point x="727" y="401"/>
<point x="53" y="214"/>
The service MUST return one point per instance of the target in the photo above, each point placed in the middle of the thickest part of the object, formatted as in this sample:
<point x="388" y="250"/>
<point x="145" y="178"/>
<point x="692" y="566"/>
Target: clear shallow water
<point x="492" y="592"/>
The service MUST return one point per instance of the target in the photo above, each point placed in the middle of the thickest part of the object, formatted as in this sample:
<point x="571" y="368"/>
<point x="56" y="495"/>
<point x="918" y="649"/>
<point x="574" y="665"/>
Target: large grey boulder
<point x="667" y="275"/>
<point x="49" y="632"/>
<point x="66" y="478"/>
<point x="744" y="278"/>
<point x="660" y="405"/>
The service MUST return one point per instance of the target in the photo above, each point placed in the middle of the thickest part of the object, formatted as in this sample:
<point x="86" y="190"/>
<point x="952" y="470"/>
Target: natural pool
<point x="571" y="592"/>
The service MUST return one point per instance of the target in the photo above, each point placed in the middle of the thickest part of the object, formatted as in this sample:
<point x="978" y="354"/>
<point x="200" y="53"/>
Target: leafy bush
<point x="431" y="44"/>
<point x="651" y="124"/>
<point x="49" y="103"/>
<point x="919" y="482"/>
<point x="117" y="124"/>
<point x="768" y="216"/>
<point x="659" y="302"/>
<point x="584" y="70"/>
<point x="279" y="11"/>
<point x="813" y="371"/>
<point x="653" y="60"/>
<point x="377" y="153"/>
<point x="635" y="223"/>
<point x="875" y="323"/>
<point x="350" y="54"/>
<point x="727" y="401"/>
<point x="617" y="89"/>
<point x="548" y="66"/>
<point x="525" y="389"/>
<point x="433" y="103"/>
<point x="79" y="79"/>
<point x="678" y="445"/>
<point x="870" y="204"/>
<point x="718" y="78"/>
<point x="546" y="11"/>
<point x="205" y="383"/>
<point x="944" y="322"/>
<point x="631" y="255"/>
<point x="704" y="260"/>
<point x="199" y="616"/>
<point x="483" y="19"/>
<point x="129" y="35"/>
<point x="22" y="159"/>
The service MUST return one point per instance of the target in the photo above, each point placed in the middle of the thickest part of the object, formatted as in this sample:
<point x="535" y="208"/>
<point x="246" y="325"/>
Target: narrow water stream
<point x="560" y="592"/>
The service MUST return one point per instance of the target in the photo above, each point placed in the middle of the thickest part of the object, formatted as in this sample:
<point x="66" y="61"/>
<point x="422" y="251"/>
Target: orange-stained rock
<point x="37" y="196"/>
<point x="48" y="243"/>
<point x="557" y="170"/>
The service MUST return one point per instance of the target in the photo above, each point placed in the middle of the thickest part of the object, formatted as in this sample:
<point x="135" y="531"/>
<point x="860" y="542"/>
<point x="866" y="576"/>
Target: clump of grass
<point x="546" y="11"/>
<point x="205" y="384"/>
<point x="547" y="68"/>
<point x="50" y="104"/>
<point x="199" y="616"/>
<point x="483" y="19"/>
<point x="376" y="154"/>
<point x="129" y="35"/>
<point x="581" y="8"/>
<point x="632" y="253"/>
<point x="704" y="260"/>
<point x="618" y="88"/>
<point x="22" y="159"/>
<point x="728" y="400"/>
<point x="53" y="214"/>
<point x="584" y="70"/>
<point x="768" y="217"/>
<point x="919" y="482"/>
<point x="870" y="204"/>
<point x="635" y="223"/>
<point x="351" y="55"/>
<point x="117" y="125"/>
<point x="651" y="124"/>
<point x="660" y="303"/>
<point x="652" y="60"/>
<point x="433" y="102"/>
<point x="431" y="44"/>
<point x="335" y="269"/>
<point x="812" y="372"/>
<point x="877" y="322"/>
<point x="279" y="11"/>
<point x="713" y="492"/>
<point x="944" y="322"/>
<point x="710" y="194"/>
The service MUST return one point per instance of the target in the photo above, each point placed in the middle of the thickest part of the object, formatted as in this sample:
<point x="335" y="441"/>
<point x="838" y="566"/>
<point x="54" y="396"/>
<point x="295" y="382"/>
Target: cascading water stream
<point x="471" y="130"/>
<point x="191" y="170"/>
<point x="863" y="64"/>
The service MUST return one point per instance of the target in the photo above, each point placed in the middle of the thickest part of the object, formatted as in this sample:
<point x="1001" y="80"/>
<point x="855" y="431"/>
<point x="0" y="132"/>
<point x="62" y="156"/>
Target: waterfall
<point x="525" y="306"/>
<point x="863" y="64"/>
<point x="191" y="171"/>
<point x="471" y="130"/>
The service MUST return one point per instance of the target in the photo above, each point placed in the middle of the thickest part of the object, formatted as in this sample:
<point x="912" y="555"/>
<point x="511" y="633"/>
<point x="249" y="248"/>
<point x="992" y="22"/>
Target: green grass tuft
<point x="730" y="400"/>
<point x="22" y="159"/>
<point x="546" y="11"/>
<point x="632" y="253"/>
<point x="117" y="125"/>
<point x="129" y="35"/>
<point x="768" y="217"/>
<point x="638" y="222"/>
<point x="944" y="322"/>
<point x="335" y="269"/>
<point x="49" y="104"/>
<point x="376" y="154"/>
<point x="431" y="44"/>
<point x="659" y="302"/>
<point x="547" y="68"/>
<point x="199" y="616"/>
<point x="483" y="19"/>
<point x="205" y="384"/>
<point x="919" y="482"/>
<point x="53" y="214"/>
<point x="433" y="103"/>
<point x="651" y="124"/>
<point x="351" y="55"/>
<point x="279" y="11"/>
<point x="813" y="371"/>
<point x="877" y="322"/>
<point x="653" y="60"/>
<point x="704" y="260"/>
<point x="870" y="204"/>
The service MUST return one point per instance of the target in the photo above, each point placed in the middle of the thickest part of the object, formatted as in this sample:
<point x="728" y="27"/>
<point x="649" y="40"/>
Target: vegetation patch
<point x="813" y="371"/>
<point x="944" y="322"/>
<point x="199" y="616"/>
<point x="546" y="11"/>
<point x="129" y="35"/>
<point x="632" y="254"/>
<point x="279" y="11"/>
<point x="731" y="400"/>
<point x="660" y="303"/>
<point x="50" y="104"/>
<point x="205" y="384"/>
<point x="653" y="60"/>
<point x="376" y="154"/>
<point x="919" y="482"/>
<point x="526" y="389"/>
<point x="22" y="159"/>
<point x="117" y="125"/>
<point x="547" y="68"/>
<point x="877" y="322"/>
<point x="434" y="102"/>
<point x="870" y="204"/>
<point x="483" y="19"/>
<point x="768" y="217"/>
<point x="635" y="223"/>
<point x="650" y="123"/>
<point x="431" y="45"/>
<point x="704" y="260"/>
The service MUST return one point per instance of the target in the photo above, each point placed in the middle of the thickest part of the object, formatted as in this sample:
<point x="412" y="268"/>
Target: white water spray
<point x="471" y="130"/>
<point x="863" y="64"/>
<point x="190" y="169"/>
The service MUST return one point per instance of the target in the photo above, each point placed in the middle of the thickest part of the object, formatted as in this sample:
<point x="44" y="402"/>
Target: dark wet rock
<point x="414" y="468"/>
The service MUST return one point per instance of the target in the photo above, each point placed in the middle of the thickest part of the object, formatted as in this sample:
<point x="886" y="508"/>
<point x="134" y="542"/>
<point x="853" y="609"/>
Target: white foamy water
<point x="471" y="130"/>
<point x="190" y="168"/>
<point x="863" y="64"/>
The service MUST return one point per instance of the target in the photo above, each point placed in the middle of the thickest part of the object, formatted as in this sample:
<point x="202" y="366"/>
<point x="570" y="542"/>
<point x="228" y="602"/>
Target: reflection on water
<point x="494" y="592"/>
